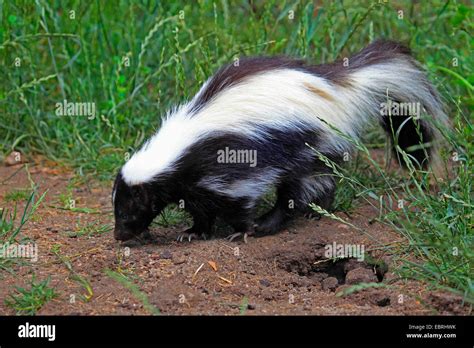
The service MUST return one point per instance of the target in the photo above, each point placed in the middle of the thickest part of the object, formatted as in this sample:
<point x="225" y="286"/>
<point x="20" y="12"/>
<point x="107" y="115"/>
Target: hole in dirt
<point x="314" y="265"/>
<point x="334" y="269"/>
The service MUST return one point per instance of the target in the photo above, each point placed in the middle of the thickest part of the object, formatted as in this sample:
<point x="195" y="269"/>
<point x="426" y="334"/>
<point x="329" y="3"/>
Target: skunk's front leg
<point x="202" y="226"/>
<point x="241" y="222"/>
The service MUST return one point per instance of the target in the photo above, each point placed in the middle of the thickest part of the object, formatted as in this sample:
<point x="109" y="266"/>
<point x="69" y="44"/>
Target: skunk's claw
<point x="188" y="236"/>
<point x="313" y="216"/>
<point x="237" y="235"/>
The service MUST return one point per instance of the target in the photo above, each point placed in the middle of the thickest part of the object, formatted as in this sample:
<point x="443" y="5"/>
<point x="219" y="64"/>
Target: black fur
<point x="285" y="150"/>
<point x="408" y="132"/>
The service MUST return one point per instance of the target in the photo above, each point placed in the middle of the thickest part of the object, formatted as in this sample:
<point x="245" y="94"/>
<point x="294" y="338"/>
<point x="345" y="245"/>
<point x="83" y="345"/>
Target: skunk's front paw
<point x="189" y="234"/>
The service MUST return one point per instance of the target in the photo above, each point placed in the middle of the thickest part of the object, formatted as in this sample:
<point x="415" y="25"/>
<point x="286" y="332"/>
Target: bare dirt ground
<point x="285" y="274"/>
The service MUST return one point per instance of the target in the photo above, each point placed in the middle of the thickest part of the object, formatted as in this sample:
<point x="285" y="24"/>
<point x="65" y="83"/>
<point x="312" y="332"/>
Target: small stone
<point x="179" y="261"/>
<point x="96" y="274"/>
<point x="360" y="275"/>
<point x="265" y="282"/>
<point x="343" y="226"/>
<point x="14" y="158"/>
<point x="251" y="306"/>
<point x="166" y="255"/>
<point x="329" y="283"/>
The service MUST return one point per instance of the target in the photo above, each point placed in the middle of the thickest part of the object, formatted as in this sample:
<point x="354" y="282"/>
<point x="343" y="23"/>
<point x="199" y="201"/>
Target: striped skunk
<point x="279" y="110"/>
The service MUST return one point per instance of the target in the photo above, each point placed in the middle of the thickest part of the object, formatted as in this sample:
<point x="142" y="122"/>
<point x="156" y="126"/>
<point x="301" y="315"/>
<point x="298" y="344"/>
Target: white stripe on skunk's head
<point x="160" y="153"/>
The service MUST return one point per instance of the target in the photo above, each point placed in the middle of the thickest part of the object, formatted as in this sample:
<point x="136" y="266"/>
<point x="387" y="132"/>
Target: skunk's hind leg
<point x="293" y="198"/>
<point x="321" y="190"/>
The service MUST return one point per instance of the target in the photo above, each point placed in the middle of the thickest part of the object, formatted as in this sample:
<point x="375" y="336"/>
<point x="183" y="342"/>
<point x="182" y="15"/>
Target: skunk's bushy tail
<point x="409" y="106"/>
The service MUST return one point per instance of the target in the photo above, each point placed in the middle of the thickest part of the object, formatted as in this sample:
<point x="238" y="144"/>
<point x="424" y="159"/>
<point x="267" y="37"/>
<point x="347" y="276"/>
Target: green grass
<point x="16" y="195"/>
<point x="172" y="216"/>
<point x="436" y="219"/>
<point x="13" y="220"/>
<point x="28" y="301"/>
<point x="81" y="281"/>
<point x="135" y="59"/>
<point x="123" y="280"/>
<point x="10" y="226"/>
<point x="90" y="230"/>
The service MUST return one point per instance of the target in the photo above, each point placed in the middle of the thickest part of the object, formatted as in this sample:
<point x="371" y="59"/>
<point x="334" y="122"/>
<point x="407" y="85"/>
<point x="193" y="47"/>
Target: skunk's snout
<point x="123" y="234"/>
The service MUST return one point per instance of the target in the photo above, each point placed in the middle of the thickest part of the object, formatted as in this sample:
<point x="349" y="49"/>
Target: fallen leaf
<point x="213" y="265"/>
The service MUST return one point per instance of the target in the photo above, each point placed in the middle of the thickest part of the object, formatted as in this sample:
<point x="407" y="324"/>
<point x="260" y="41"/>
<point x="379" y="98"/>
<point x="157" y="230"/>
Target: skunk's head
<point x="135" y="207"/>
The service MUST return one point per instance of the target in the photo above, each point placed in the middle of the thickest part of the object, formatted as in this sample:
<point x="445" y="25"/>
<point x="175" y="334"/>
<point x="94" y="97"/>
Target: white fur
<point x="315" y="186"/>
<point x="113" y="195"/>
<point x="281" y="99"/>
<point x="252" y="188"/>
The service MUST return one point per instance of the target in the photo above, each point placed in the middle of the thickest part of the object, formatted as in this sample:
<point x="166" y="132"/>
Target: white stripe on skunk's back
<point x="281" y="99"/>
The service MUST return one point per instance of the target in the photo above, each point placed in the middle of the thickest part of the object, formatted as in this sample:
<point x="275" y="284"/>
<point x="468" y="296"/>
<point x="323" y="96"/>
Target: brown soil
<point x="282" y="274"/>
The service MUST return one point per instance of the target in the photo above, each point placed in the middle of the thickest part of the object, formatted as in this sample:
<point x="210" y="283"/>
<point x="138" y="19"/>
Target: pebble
<point x="166" y="255"/>
<point x="251" y="306"/>
<point x="14" y="158"/>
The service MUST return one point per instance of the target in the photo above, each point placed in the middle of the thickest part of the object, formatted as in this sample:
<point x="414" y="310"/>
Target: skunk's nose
<point x="120" y="234"/>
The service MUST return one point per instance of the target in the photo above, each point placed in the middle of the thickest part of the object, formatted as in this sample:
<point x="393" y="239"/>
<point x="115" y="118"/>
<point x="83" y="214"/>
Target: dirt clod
<point x="352" y="264"/>
<point x="329" y="284"/>
<point x="360" y="275"/>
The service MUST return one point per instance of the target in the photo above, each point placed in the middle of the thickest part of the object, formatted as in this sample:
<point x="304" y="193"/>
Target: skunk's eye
<point x="123" y="216"/>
